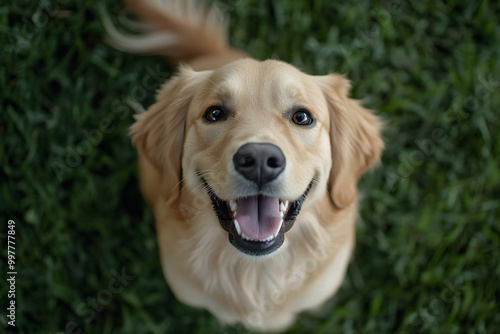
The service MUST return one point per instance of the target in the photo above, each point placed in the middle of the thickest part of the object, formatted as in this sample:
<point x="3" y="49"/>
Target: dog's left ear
<point x="355" y="139"/>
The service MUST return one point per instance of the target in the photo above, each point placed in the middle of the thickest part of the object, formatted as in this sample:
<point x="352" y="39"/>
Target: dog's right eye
<point x="214" y="114"/>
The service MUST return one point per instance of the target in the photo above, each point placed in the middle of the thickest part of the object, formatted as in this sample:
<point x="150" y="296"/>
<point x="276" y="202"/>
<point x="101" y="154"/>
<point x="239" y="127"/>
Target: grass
<point x="428" y="244"/>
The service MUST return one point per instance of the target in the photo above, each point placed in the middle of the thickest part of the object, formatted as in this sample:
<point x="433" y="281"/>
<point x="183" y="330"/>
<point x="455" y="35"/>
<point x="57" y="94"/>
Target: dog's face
<point x="259" y="138"/>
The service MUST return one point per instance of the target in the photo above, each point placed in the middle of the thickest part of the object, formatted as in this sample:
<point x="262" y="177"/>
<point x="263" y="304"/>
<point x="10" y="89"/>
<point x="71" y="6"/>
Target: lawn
<point x="428" y="240"/>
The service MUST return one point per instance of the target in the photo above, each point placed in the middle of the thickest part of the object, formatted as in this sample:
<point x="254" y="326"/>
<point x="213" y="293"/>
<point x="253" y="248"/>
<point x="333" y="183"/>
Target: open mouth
<point x="256" y="224"/>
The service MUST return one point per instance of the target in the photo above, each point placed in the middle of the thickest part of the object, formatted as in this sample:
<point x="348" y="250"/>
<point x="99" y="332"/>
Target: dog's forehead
<point x="270" y="83"/>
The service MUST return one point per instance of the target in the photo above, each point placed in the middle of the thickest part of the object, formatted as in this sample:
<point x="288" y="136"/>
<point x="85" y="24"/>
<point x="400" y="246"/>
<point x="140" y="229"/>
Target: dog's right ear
<point x="158" y="134"/>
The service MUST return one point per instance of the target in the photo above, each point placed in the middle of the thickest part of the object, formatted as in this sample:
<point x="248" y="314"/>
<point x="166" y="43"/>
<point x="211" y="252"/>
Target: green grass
<point x="428" y="244"/>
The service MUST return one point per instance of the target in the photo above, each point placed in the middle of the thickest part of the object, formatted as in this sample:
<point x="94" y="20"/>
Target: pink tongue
<point x="259" y="216"/>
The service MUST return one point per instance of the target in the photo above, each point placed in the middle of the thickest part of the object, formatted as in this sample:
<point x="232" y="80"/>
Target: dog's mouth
<point x="256" y="224"/>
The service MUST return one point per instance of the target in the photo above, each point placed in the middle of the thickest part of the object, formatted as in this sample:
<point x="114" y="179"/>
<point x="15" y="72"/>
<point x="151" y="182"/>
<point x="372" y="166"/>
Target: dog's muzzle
<point x="256" y="224"/>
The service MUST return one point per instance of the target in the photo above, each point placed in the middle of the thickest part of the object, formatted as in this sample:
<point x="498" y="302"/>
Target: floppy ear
<point x="355" y="140"/>
<point x="159" y="132"/>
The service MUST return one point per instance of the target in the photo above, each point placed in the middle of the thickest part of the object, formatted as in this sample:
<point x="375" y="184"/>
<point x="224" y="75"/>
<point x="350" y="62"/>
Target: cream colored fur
<point x="176" y="147"/>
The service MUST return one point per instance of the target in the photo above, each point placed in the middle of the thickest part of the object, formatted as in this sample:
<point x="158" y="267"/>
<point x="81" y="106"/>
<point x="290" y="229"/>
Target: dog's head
<point x="259" y="139"/>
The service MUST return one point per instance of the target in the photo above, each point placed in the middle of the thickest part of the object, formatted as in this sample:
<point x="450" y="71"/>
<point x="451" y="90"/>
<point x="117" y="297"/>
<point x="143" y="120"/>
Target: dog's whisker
<point x="280" y="254"/>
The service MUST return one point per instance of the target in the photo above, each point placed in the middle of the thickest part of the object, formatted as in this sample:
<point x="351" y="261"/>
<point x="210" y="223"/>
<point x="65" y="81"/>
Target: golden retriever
<point x="251" y="168"/>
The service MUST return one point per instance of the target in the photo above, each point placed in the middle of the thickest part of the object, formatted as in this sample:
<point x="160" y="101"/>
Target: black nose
<point x="259" y="162"/>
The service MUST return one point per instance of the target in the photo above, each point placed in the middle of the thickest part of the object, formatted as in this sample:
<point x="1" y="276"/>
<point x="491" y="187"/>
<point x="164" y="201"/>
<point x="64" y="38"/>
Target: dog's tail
<point x="184" y="31"/>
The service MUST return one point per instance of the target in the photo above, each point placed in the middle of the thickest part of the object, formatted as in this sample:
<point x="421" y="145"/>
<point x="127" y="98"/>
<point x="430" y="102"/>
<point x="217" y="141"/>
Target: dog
<point x="251" y="168"/>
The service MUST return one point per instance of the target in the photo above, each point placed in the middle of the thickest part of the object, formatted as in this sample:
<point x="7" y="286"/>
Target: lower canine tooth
<point x="279" y="229"/>
<point x="238" y="229"/>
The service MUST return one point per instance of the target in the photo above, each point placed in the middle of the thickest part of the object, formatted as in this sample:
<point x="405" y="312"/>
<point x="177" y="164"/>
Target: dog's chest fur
<point x="203" y="270"/>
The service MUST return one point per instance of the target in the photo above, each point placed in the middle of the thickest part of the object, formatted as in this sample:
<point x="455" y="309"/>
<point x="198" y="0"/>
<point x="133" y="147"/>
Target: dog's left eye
<point x="214" y="114"/>
<point x="302" y="117"/>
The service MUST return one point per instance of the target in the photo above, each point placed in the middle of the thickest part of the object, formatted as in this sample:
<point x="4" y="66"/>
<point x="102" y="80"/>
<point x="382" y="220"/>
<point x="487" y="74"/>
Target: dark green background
<point x="427" y="256"/>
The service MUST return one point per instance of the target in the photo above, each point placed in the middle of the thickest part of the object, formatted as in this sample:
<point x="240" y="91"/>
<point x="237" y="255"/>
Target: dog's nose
<point x="259" y="162"/>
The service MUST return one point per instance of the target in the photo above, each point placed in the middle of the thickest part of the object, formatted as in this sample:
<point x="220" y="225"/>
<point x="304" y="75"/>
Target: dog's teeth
<point x="233" y="205"/>
<point x="282" y="214"/>
<point x="286" y="205"/>
<point x="243" y="235"/>
<point x="282" y="206"/>
<point x="265" y="240"/>
<point x="235" y="213"/>
<point x="278" y="230"/>
<point x="237" y="225"/>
